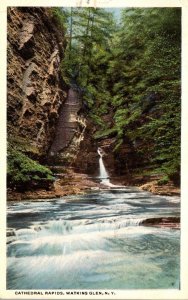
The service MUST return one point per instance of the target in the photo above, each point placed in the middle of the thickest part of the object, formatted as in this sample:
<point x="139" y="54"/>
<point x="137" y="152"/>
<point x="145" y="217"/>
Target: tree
<point x="131" y="72"/>
<point x="90" y="29"/>
<point x="144" y="81"/>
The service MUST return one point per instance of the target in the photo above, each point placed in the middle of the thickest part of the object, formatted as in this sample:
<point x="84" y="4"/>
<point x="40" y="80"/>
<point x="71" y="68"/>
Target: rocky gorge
<point x="48" y="122"/>
<point x="93" y="168"/>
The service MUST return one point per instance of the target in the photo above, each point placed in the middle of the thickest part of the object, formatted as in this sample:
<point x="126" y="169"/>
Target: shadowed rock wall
<point x="67" y="123"/>
<point x="70" y="131"/>
<point x="35" y="88"/>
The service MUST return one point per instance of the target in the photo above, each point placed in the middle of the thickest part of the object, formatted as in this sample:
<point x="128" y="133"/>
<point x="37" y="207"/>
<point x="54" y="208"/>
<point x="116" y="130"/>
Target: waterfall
<point x="103" y="174"/>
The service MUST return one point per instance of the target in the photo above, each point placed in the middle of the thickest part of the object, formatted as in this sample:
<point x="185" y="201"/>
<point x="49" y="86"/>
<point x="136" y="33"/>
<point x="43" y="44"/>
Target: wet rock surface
<point x="168" y="189"/>
<point x="67" y="183"/>
<point x="172" y="222"/>
<point x="87" y="160"/>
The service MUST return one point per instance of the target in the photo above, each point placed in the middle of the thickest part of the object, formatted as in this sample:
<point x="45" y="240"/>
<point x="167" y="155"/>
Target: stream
<point x="93" y="241"/>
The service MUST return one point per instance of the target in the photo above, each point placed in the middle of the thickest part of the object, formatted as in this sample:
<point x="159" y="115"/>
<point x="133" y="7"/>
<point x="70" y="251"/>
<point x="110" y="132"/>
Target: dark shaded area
<point x="163" y="222"/>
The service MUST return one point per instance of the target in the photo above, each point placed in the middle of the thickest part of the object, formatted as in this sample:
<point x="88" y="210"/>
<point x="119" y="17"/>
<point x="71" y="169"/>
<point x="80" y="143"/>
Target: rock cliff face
<point x="87" y="160"/>
<point x="34" y="86"/>
<point x="69" y="131"/>
<point x="42" y="115"/>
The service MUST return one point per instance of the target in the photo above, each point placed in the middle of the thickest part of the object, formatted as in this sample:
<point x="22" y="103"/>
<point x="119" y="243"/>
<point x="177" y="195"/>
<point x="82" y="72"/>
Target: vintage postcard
<point x="94" y="193"/>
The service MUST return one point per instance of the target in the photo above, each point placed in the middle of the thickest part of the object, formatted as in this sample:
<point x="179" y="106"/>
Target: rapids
<point x="93" y="241"/>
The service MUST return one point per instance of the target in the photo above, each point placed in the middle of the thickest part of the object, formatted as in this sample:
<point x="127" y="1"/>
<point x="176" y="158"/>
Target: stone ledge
<point x="170" y="222"/>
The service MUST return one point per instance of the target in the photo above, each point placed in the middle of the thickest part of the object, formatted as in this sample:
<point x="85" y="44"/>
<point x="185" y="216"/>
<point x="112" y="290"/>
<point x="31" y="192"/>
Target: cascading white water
<point x="103" y="174"/>
<point x="92" y="241"/>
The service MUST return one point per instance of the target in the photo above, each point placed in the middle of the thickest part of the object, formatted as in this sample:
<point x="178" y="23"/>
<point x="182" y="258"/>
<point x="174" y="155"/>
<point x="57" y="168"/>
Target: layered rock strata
<point x="69" y="131"/>
<point x="35" y="90"/>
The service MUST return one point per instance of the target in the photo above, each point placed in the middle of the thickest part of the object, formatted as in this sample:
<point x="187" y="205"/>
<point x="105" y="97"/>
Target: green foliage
<point x="105" y="133"/>
<point x="147" y="100"/>
<point x="23" y="172"/>
<point x="60" y="16"/>
<point x="22" y="144"/>
<point x="120" y="142"/>
<point x="164" y="180"/>
<point x="130" y="72"/>
<point x="89" y="32"/>
<point x="97" y="120"/>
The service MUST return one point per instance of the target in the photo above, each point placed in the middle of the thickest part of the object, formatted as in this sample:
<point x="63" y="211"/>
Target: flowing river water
<point x="93" y="241"/>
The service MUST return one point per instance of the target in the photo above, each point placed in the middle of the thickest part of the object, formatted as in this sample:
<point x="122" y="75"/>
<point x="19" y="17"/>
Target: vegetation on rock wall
<point x="130" y="78"/>
<point x="146" y="70"/>
<point x="35" y="92"/>
<point x="128" y="74"/>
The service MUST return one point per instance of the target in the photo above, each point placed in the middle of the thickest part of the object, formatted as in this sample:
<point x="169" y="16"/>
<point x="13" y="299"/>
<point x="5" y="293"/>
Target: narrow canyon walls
<point x="35" y="90"/>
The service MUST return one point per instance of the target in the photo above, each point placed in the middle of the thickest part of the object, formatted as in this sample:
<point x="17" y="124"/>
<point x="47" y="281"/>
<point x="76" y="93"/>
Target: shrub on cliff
<point x="23" y="173"/>
<point x="60" y="17"/>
